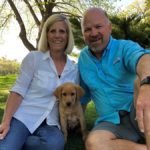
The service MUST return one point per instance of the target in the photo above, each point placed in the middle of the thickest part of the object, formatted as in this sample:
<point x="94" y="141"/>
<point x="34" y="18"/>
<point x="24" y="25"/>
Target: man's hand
<point x="143" y="108"/>
<point x="143" y="111"/>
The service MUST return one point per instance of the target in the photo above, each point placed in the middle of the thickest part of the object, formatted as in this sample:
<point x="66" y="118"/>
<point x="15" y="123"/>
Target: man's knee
<point x="92" y="140"/>
<point x="98" y="139"/>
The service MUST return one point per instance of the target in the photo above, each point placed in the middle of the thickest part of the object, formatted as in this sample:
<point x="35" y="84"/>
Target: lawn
<point x="6" y="83"/>
<point x="74" y="140"/>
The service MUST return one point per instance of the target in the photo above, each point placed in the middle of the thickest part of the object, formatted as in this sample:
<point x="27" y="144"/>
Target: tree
<point x="134" y="23"/>
<point x="31" y="15"/>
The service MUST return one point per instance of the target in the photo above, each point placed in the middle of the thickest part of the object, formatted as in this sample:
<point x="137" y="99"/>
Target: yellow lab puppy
<point x="70" y="109"/>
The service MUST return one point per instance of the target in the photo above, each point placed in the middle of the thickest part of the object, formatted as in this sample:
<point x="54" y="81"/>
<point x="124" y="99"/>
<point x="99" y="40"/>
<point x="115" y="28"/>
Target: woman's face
<point x="58" y="36"/>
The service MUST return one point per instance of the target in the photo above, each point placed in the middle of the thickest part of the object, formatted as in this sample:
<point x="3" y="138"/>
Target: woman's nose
<point x="57" y="33"/>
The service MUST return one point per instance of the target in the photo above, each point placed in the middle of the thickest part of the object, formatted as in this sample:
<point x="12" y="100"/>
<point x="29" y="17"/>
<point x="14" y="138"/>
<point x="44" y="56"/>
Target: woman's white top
<point x="36" y="83"/>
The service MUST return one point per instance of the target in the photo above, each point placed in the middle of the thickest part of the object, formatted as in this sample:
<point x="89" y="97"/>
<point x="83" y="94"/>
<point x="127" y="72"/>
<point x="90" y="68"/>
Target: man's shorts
<point x="127" y="129"/>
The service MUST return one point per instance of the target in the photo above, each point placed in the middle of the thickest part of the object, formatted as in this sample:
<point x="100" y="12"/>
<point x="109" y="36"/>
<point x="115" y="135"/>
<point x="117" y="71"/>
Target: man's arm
<point x="143" y="98"/>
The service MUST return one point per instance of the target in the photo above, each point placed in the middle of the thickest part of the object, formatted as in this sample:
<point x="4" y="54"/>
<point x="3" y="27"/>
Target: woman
<point x="31" y="114"/>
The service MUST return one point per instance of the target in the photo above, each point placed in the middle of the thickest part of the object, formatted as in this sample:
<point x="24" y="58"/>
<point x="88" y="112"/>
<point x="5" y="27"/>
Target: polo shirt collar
<point x="105" y="50"/>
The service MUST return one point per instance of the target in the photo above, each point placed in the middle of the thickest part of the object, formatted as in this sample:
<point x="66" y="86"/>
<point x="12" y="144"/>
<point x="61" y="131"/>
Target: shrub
<point x="8" y="66"/>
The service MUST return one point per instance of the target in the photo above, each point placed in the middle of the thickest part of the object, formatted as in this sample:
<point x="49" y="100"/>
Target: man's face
<point x="96" y="30"/>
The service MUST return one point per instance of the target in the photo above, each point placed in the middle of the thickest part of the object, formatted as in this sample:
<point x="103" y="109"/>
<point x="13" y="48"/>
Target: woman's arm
<point x="13" y="102"/>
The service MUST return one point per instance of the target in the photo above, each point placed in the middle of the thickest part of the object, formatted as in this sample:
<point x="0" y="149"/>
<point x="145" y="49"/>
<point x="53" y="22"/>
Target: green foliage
<point x="133" y="23"/>
<point x="79" y="41"/>
<point x="131" y="27"/>
<point x="8" y="66"/>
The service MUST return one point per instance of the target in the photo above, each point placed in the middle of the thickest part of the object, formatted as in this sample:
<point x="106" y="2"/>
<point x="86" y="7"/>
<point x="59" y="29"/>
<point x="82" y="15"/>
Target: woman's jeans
<point x="44" y="138"/>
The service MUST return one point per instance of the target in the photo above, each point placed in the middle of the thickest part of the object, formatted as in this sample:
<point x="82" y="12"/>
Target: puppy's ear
<point x="80" y="91"/>
<point x="57" y="92"/>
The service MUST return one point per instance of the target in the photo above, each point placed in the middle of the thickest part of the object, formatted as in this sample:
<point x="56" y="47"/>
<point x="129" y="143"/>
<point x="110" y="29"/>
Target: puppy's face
<point x="68" y="94"/>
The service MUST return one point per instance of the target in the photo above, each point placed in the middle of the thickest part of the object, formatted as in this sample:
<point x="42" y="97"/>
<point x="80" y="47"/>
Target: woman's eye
<point x="52" y="31"/>
<point x="62" y="31"/>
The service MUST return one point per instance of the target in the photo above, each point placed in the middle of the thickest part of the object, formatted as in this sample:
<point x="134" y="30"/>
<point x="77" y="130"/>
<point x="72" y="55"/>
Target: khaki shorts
<point x="127" y="129"/>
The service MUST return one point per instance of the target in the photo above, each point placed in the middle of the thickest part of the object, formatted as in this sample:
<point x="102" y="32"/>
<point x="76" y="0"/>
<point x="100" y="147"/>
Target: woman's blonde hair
<point x="43" y="41"/>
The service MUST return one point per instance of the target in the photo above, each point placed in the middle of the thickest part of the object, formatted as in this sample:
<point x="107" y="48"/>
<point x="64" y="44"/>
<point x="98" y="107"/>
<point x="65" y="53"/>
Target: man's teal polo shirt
<point x="109" y="80"/>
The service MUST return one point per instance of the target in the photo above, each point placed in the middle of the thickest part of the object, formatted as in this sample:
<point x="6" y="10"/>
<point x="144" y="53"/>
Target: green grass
<point x="74" y="140"/>
<point x="6" y="83"/>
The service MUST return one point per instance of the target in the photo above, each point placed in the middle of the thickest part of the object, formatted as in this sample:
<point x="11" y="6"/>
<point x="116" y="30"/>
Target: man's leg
<point x="108" y="136"/>
<point x="105" y="140"/>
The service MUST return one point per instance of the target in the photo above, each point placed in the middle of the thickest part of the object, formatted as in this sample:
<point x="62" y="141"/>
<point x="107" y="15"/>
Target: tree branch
<point x="22" y="33"/>
<point x="40" y="6"/>
<point x="32" y="13"/>
<point x="69" y="4"/>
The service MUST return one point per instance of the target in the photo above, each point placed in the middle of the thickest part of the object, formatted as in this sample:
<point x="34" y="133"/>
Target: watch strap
<point x="145" y="81"/>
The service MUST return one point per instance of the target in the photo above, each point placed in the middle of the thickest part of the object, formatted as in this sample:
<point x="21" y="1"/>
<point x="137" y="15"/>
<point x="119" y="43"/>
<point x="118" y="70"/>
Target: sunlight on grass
<point x="5" y="91"/>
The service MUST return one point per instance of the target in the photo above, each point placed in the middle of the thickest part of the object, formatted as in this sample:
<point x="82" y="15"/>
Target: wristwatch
<point x="145" y="81"/>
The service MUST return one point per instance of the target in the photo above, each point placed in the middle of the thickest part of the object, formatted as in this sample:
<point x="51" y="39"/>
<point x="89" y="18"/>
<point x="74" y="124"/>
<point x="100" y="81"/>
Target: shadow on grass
<point x="75" y="142"/>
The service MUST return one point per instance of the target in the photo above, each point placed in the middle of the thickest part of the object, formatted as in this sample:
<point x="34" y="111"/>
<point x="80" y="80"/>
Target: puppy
<point x="71" y="113"/>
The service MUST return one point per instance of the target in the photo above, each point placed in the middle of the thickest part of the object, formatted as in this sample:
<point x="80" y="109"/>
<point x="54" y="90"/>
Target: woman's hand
<point x="4" y="128"/>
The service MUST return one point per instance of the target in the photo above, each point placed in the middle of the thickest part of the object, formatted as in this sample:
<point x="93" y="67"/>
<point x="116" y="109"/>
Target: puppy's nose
<point x="68" y="103"/>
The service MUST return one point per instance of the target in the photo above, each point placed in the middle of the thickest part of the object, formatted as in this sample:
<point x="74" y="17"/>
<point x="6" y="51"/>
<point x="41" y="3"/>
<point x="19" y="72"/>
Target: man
<point x="108" y="68"/>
